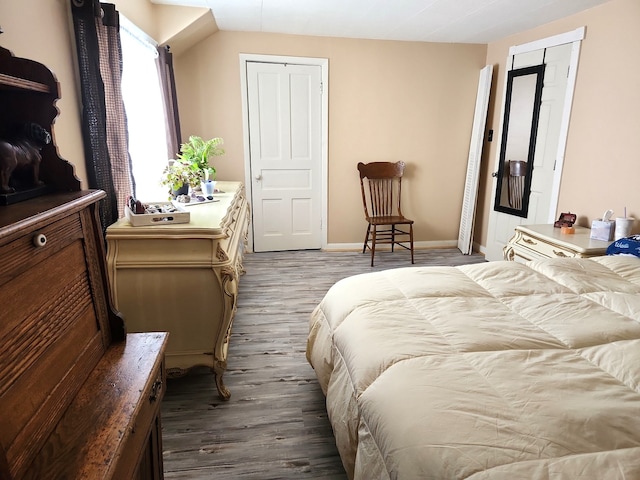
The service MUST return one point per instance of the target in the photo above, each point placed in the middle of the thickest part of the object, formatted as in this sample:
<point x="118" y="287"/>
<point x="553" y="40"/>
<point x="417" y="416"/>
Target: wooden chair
<point x="381" y="186"/>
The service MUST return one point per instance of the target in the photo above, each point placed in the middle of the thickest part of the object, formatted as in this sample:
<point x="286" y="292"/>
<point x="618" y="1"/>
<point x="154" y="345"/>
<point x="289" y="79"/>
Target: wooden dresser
<point x="79" y="398"/>
<point x="532" y="242"/>
<point x="183" y="278"/>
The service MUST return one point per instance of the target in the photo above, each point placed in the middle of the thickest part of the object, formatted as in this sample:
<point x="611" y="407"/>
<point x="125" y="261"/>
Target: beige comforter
<point x="491" y="371"/>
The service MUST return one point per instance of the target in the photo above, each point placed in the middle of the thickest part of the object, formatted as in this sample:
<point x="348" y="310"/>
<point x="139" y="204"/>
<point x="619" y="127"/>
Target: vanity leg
<point x="223" y="391"/>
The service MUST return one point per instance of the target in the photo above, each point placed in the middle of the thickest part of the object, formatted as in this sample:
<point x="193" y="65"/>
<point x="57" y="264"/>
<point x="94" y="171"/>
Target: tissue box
<point x="602" y="230"/>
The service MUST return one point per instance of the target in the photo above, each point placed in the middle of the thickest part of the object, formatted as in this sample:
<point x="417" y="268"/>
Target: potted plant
<point x="196" y="152"/>
<point x="191" y="167"/>
<point x="178" y="177"/>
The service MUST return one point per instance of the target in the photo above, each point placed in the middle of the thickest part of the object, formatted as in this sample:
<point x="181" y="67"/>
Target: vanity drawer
<point x="543" y="249"/>
<point x="533" y="242"/>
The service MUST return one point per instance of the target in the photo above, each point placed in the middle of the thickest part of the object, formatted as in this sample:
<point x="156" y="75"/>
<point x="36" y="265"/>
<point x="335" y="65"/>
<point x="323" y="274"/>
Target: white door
<point x="557" y="95"/>
<point x="284" y="108"/>
<point x="556" y="71"/>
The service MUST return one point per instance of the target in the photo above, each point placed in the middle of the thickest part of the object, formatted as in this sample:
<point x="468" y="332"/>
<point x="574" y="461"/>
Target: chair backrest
<point x="515" y="187"/>
<point x="381" y="187"/>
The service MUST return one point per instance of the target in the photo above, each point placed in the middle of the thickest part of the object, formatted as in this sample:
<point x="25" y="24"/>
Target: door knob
<point x="494" y="174"/>
<point x="258" y="177"/>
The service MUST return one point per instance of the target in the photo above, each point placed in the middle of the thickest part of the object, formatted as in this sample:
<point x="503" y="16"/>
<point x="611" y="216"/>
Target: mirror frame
<point x="538" y="71"/>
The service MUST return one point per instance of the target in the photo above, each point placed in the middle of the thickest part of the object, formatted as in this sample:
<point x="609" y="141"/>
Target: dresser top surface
<point x="22" y="216"/>
<point x="206" y="219"/>
<point x="579" y="241"/>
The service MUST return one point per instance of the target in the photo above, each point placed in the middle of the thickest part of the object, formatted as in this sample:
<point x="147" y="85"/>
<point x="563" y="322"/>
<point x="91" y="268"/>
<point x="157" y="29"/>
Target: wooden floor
<point x="275" y="425"/>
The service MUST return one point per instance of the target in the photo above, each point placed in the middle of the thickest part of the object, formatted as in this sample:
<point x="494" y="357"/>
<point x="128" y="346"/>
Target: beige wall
<point x="602" y="161"/>
<point x="387" y="101"/>
<point x="181" y="26"/>
<point x="40" y="30"/>
<point x="142" y="13"/>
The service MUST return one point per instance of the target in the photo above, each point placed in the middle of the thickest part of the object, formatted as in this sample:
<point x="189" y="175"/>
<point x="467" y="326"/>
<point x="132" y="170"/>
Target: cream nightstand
<point x="532" y="242"/>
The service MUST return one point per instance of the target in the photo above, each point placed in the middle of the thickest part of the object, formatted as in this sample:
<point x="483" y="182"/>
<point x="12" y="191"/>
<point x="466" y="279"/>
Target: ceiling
<point x="457" y="21"/>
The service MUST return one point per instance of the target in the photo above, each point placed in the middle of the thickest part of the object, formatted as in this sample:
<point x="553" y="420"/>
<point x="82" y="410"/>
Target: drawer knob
<point x="560" y="254"/>
<point x="529" y="241"/>
<point x="40" y="240"/>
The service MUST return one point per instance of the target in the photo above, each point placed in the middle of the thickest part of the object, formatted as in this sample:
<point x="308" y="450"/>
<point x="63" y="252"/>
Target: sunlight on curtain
<point x="145" y="113"/>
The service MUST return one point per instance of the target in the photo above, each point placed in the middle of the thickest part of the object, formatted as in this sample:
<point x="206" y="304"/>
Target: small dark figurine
<point x="565" y="220"/>
<point x="22" y="153"/>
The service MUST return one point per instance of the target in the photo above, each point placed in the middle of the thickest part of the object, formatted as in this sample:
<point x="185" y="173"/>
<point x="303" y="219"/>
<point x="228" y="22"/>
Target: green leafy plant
<point x="191" y="165"/>
<point x="178" y="173"/>
<point x="197" y="152"/>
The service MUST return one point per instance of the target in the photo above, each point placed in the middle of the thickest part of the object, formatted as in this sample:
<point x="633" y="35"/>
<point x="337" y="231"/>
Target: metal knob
<point x="40" y="240"/>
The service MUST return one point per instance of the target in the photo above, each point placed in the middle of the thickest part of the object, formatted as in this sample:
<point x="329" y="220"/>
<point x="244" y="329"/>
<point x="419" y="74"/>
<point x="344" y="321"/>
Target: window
<point x="142" y="98"/>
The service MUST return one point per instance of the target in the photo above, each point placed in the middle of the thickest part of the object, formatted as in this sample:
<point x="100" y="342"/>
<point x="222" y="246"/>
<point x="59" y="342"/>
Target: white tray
<point x="146" y="219"/>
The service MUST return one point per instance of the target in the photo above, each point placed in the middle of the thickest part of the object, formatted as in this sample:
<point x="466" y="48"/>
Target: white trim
<point x="323" y="63"/>
<point x="560" y="39"/>
<point x="493" y="215"/>
<point x="564" y="130"/>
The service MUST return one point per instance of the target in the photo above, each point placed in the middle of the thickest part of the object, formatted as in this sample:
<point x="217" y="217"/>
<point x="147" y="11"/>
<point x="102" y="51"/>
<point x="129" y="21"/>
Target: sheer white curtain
<point x="145" y="113"/>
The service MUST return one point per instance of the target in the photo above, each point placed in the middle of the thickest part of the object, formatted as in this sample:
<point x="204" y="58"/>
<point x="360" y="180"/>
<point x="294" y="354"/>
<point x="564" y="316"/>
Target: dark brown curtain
<point x="104" y="124"/>
<point x="170" y="101"/>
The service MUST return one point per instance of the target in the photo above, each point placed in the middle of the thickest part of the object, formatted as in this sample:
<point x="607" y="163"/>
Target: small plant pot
<point x="184" y="190"/>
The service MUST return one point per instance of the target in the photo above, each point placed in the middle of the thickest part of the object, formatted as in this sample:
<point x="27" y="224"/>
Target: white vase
<point x="208" y="188"/>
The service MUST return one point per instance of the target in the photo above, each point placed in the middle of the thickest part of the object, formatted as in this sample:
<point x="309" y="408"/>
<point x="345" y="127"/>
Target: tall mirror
<point x="520" y="124"/>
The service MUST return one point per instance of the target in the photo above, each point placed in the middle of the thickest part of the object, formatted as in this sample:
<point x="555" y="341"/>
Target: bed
<point x="486" y="371"/>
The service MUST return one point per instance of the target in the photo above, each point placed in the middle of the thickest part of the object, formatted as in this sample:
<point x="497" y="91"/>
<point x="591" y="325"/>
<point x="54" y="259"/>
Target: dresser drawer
<point x="31" y="248"/>
<point x="542" y="249"/>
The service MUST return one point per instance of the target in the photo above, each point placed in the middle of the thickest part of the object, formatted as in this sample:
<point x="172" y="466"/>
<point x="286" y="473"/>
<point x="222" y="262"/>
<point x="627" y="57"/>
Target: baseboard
<point x="345" y="247"/>
<point x="354" y="247"/>
<point x="479" y="248"/>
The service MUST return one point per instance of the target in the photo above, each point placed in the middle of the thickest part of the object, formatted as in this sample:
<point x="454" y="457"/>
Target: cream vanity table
<point x="183" y="279"/>
<point x="532" y="242"/>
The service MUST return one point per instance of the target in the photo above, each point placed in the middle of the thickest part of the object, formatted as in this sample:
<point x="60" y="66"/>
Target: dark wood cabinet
<point x="79" y="398"/>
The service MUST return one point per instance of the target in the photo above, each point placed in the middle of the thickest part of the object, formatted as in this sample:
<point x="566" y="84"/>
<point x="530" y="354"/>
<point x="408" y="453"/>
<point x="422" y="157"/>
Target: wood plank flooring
<point x="275" y="425"/>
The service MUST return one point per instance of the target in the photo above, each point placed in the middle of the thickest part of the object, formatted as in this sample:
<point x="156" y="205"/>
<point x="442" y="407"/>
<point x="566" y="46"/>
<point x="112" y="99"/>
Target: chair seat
<point x="389" y="220"/>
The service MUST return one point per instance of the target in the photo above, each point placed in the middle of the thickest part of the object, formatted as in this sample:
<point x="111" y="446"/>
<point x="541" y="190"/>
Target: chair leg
<point x="393" y="237"/>
<point x="411" y="241"/>
<point x="373" y="244"/>
<point x="366" y="239"/>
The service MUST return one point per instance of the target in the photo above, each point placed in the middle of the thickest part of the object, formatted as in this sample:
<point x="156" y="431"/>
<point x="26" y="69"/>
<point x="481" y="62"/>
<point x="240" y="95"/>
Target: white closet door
<point x="285" y="147"/>
<point x="467" y="218"/>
